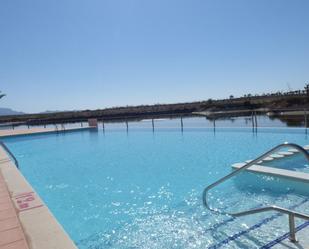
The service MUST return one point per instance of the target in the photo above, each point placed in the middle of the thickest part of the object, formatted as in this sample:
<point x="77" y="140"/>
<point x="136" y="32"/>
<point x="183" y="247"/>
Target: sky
<point x="92" y="54"/>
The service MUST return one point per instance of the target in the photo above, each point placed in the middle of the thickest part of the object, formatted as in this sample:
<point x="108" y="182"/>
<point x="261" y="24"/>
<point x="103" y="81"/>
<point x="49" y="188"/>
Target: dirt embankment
<point x="226" y="107"/>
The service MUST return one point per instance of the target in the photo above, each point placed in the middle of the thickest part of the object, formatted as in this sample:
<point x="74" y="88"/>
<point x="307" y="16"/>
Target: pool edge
<point x="39" y="131"/>
<point x="41" y="228"/>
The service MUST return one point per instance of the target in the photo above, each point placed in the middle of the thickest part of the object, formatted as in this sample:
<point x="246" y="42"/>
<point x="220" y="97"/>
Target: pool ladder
<point x="9" y="153"/>
<point x="291" y="214"/>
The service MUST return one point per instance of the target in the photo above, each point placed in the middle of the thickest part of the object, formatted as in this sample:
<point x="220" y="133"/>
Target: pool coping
<point x="39" y="131"/>
<point x="40" y="227"/>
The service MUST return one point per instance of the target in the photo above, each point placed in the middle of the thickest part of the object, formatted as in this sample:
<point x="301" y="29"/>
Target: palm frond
<point x="1" y="95"/>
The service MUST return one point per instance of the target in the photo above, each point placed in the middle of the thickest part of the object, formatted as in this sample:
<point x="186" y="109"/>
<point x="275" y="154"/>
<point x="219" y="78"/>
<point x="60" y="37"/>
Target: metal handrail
<point x="10" y="153"/>
<point x="292" y="214"/>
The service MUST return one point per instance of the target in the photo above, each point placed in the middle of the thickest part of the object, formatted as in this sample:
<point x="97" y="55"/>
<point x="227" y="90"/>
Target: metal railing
<point x="292" y="214"/>
<point x="10" y="153"/>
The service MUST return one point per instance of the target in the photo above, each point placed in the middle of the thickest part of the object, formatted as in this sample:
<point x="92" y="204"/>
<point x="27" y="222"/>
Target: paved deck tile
<point x="11" y="233"/>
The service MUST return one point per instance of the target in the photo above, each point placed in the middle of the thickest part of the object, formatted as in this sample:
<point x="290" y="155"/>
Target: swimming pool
<point x="141" y="189"/>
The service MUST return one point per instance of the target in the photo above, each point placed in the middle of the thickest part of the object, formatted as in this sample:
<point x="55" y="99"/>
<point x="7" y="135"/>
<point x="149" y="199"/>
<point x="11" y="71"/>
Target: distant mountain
<point x="8" y="111"/>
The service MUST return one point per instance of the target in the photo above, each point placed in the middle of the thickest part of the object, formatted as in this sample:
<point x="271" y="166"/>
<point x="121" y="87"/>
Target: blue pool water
<point x="143" y="190"/>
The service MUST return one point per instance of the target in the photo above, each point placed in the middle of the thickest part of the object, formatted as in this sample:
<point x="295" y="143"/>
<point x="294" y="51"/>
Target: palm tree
<point x="1" y="95"/>
<point x="307" y="88"/>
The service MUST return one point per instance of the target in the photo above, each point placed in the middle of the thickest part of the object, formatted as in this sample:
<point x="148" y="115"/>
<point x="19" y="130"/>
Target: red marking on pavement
<point x="26" y="201"/>
<point x="23" y="194"/>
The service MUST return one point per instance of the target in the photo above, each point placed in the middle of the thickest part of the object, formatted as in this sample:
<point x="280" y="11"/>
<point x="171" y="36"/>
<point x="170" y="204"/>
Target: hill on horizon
<point x="8" y="111"/>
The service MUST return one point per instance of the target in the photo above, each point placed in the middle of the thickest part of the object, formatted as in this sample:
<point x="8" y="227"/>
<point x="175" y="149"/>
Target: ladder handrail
<point x="237" y="171"/>
<point x="291" y="213"/>
<point x="10" y="153"/>
<point x="273" y="208"/>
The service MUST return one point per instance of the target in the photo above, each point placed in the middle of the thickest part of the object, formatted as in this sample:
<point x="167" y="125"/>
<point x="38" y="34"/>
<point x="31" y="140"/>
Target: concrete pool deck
<point x="38" y="130"/>
<point x="11" y="231"/>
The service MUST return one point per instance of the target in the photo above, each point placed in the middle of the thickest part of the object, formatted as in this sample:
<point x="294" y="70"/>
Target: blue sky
<point x="78" y="54"/>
